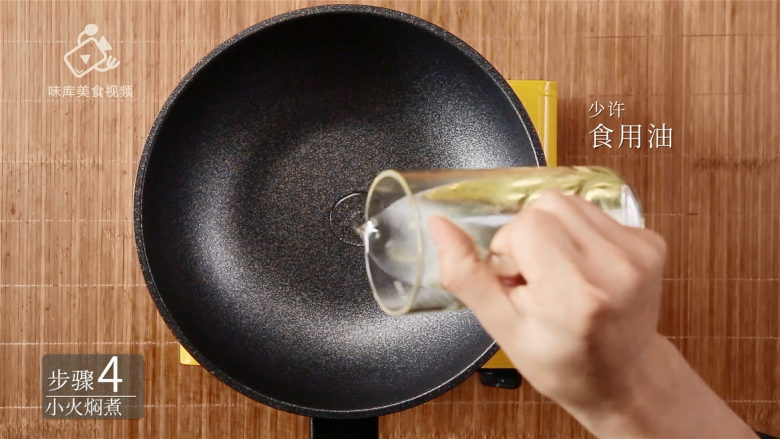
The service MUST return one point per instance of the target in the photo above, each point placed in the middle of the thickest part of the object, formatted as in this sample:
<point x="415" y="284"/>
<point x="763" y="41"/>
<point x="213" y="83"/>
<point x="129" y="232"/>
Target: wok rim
<point x="148" y="150"/>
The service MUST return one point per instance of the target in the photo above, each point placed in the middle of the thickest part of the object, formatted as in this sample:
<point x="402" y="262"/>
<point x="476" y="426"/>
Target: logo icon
<point x="90" y="54"/>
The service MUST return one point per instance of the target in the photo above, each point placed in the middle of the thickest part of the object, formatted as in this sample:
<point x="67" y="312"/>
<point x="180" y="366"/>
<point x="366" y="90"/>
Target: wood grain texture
<point x="70" y="281"/>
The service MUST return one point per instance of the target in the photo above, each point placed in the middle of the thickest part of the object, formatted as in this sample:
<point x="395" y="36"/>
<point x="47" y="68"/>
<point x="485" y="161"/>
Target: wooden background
<point x="70" y="281"/>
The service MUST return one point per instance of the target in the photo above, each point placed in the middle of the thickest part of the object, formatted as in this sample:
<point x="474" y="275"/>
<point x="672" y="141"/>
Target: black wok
<point x="245" y="256"/>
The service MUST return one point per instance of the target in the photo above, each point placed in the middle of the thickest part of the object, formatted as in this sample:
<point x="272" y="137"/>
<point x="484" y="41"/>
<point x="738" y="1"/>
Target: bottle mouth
<point x="392" y="241"/>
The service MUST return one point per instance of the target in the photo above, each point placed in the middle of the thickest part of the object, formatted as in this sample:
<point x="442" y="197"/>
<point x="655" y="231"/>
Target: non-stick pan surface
<point x="238" y="181"/>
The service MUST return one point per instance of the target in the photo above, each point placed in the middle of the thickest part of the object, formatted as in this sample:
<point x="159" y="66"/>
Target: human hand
<point x="582" y="330"/>
<point x="590" y="305"/>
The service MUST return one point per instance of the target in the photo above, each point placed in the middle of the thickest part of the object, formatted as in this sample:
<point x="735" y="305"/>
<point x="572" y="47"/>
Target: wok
<point x="249" y="180"/>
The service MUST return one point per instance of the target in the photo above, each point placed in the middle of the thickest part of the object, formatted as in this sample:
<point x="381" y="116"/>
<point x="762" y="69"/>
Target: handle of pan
<point x="366" y="428"/>
<point x="501" y="378"/>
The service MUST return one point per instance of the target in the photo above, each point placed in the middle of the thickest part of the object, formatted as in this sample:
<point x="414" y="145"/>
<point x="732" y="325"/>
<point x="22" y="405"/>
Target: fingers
<point x="641" y="246"/>
<point x="470" y="279"/>
<point x="504" y="268"/>
<point x="580" y="228"/>
<point x="612" y="229"/>
<point x="601" y="254"/>
<point x="539" y="244"/>
<point x="560" y="238"/>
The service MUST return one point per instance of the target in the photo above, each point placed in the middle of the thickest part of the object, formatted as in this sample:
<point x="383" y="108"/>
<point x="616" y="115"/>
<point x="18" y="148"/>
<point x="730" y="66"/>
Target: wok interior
<point x="250" y="159"/>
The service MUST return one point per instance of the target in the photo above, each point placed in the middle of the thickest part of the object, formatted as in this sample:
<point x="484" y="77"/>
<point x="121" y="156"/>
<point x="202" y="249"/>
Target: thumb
<point x="465" y="275"/>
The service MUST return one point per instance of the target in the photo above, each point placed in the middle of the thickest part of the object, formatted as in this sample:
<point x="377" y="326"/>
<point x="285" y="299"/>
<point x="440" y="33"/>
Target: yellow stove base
<point x="540" y="99"/>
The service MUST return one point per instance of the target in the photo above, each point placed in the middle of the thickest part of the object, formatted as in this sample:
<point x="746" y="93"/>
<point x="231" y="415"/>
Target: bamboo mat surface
<point x="70" y="281"/>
